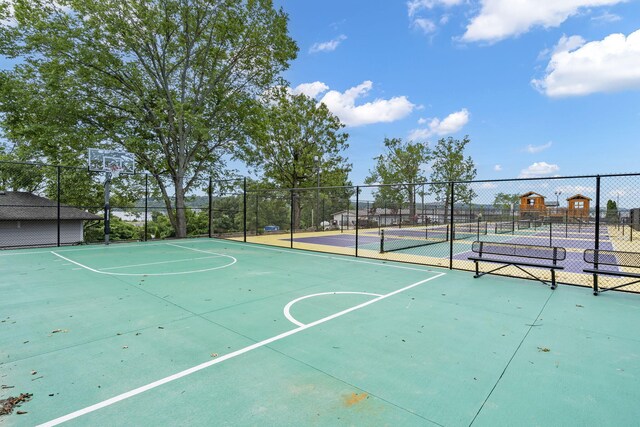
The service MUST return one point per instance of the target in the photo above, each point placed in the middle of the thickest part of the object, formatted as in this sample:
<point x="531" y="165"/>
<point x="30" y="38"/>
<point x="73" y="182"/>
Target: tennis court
<point x="206" y="331"/>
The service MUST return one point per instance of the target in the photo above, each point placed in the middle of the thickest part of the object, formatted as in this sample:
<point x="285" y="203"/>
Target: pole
<point x="257" y="222"/>
<point x="107" y="208"/>
<point x="596" y="246"/>
<point x="291" y="222"/>
<point x="244" y="208"/>
<point x="317" y="160"/>
<point x="146" y="206"/>
<point x="357" y="204"/>
<point x="210" y="205"/>
<point x="451" y="227"/>
<point x="58" y="214"/>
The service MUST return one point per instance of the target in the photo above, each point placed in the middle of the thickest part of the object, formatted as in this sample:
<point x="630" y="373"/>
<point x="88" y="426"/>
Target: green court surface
<point x="212" y="332"/>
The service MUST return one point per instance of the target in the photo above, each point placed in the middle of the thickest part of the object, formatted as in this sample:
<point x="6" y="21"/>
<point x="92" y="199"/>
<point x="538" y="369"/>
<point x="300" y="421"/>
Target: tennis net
<point x="469" y="230"/>
<point x="504" y="227"/>
<point x="397" y="239"/>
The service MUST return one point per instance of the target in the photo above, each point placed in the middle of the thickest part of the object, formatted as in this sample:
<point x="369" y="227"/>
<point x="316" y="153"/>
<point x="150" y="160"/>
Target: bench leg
<point x="477" y="271"/>
<point x="595" y="284"/>
<point x="553" y="279"/>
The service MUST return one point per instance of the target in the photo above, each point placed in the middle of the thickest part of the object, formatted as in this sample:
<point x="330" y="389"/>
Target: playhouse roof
<point x="578" y="196"/>
<point x="531" y="193"/>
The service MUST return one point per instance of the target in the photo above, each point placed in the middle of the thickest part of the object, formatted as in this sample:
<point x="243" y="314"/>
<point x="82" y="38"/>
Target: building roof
<point x="531" y="193"/>
<point x="578" y="196"/>
<point x="23" y="206"/>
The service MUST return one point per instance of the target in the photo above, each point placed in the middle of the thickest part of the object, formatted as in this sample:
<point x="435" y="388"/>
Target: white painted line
<point x="293" y="320"/>
<point x="160" y="262"/>
<point x="258" y="246"/>
<point x="381" y="264"/>
<point x="221" y="359"/>
<point x="150" y="274"/>
<point x="85" y="248"/>
<point x="193" y="249"/>
<point x="345" y="258"/>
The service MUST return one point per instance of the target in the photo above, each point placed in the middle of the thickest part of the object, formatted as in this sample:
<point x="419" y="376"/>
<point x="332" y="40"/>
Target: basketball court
<point x="206" y="331"/>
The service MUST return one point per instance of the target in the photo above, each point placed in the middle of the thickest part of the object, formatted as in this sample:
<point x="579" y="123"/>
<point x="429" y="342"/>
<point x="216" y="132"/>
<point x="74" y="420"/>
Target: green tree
<point x="402" y="164"/>
<point x="167" y="80"/>
<point x="297" y="144"/>
<point x="612" y="215"/>
<point x="505" y="201"/>
<point x="449" y="164"/>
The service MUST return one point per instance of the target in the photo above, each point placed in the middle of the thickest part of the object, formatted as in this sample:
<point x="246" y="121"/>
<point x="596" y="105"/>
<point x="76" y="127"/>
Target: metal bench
<point x="517" y="256"/>
<point x="599" y="257"/>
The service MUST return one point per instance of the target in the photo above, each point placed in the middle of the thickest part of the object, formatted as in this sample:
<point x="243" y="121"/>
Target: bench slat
<point x="609" y="257"/>
<point x="526" y="264"/>
<point x="550" y="253"/>
<point x="611" y="273"/>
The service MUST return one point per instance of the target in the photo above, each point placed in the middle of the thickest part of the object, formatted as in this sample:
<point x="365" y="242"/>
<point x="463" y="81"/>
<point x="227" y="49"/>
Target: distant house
<point x="533" y="205"/>
<point x="578" y="206"/>
<point x="30" y="220"/>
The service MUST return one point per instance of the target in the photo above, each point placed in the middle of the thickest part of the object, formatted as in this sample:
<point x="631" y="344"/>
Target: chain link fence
<point x="44" y="205"/>
<point x="427" y="223"/>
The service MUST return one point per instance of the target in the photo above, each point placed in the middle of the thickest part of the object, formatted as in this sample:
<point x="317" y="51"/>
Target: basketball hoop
<point x="115" y="170"/>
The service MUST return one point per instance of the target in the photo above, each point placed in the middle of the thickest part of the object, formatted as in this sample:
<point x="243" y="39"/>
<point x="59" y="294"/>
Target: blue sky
<point x="542" y="88"/>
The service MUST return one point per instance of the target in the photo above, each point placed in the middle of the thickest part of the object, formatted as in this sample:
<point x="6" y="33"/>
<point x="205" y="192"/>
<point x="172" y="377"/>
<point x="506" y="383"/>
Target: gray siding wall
<point x="32" y="233"/>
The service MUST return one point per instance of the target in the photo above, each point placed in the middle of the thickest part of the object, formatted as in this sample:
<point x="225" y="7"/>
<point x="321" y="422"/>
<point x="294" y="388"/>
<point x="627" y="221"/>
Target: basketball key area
<point x="197" y="332"/>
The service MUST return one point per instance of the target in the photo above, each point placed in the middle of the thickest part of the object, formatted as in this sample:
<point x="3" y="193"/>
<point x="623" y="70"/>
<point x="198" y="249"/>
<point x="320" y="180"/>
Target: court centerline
<point x="186" y="372"/>
<point x="152" y="274"/>
<point x="287" y="308"/>
<point x="160" y="262"/>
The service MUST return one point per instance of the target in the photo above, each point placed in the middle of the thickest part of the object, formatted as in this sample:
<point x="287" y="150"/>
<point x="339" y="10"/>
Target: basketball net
<point x="115" y="171"/>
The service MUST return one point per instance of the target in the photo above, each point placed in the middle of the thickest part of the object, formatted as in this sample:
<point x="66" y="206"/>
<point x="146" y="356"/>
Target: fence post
<point x="357" y="223"/>
<point x="257" y="220"/>
<point x="597" y="237"/>
<point x="146" y="206"/>
<point x="244" y="208"/>
<point x="452" y="233"/>
<point x="291" y="222"/>
<point x="58" y="214"/>
<point x="210" y="195"/>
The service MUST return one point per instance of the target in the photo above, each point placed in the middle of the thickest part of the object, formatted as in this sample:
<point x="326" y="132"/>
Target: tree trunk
<point x="297" y="211"/>
<point x="181" y="214"/>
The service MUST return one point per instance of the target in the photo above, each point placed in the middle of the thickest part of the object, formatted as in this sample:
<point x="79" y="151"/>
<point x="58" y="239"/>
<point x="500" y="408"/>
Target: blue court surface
<point x="213" y="332"/>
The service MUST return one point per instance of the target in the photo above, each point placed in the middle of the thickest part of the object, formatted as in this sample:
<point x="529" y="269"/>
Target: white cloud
<point x="608" y="65"/>
<point x="450" y="124"/>
<point x="426" y="25"/>
<point x="329" y="46"/>
<point x="606" y="18"/>
<point x="500" y="19"/>
<point x="538" y="148"/>
<point x="310" y="89"/>
<point x="539" y="169"/>
<point x="497" y="168"/>
<point x="484" y="185"/>
<point x="415" y="6"/>
<point x="571" y="190"/>
<point x="343" y="105"/>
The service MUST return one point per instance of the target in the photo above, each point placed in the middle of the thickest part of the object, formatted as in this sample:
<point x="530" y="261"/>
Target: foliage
<point x="612" y="215"/>
<point x="449" y="164"/>
<point x="297" y="144"/>
<point x="506" y="201"/>
<point x="401" y="164"/>
<point x="170" y="81"/>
